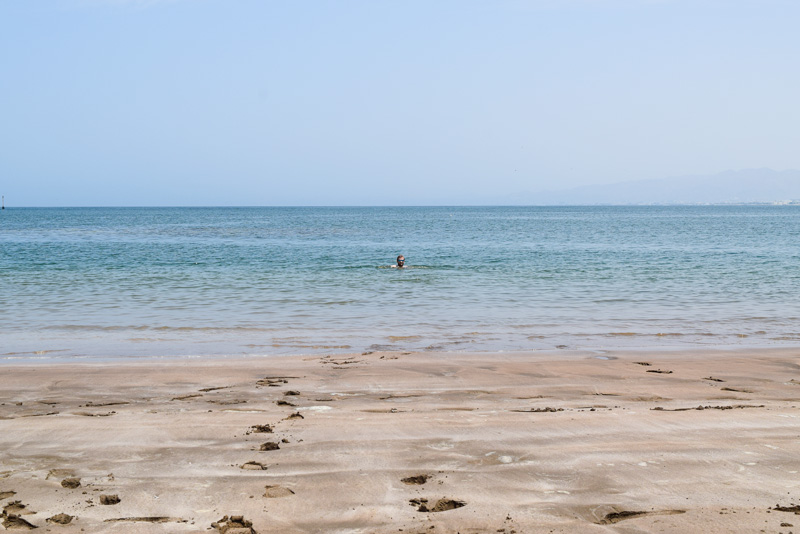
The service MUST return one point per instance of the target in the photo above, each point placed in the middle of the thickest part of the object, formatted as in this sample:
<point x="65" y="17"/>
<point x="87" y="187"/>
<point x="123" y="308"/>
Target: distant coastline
<point x="730" y="188"/>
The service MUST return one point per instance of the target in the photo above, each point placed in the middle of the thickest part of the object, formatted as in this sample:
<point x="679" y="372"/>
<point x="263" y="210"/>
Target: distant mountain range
<point x="729" y="187"/>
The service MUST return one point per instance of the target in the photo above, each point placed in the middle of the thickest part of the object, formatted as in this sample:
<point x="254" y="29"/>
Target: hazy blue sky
<point x="220" y="102"/>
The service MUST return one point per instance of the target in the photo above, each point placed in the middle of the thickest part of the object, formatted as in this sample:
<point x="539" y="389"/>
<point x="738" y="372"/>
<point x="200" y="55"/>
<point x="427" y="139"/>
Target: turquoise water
<point x="117" y="282"/>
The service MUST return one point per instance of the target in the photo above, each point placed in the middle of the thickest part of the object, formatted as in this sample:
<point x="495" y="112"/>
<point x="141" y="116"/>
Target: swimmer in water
<point x="401" y="262"/>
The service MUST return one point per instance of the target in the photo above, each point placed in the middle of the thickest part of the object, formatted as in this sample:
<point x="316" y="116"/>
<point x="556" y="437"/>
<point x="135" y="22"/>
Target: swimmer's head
<point x="401" y="260"/>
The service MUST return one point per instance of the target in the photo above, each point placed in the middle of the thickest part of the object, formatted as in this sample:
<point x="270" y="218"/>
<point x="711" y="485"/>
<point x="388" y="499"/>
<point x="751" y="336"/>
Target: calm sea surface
<point x="118" y="282"/>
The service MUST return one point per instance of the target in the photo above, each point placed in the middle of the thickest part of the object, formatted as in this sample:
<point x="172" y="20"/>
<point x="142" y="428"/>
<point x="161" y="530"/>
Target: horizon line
<point x="791" y="202"/>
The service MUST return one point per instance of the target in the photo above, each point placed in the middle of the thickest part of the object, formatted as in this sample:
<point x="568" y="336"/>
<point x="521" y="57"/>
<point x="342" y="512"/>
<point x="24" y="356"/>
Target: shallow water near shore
<point x="143" y="282"/>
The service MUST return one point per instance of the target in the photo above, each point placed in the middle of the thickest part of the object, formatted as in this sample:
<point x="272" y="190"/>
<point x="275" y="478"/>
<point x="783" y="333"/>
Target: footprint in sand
<point x="416" y="480"/>
<point x="276" y="492"/>
<point x="60" y="519"/>
<point x="260" y="429"/>
<point x="109" y="500"/>
<point x="253" y="466"/>
<point x="274" y="381"/>
<point x="269" y="446"/>
<point x="442" y="505"/>
<point x="15" y="522"/>
<point x="237" y="524"/>
<point x="616" y="517"/>
<point x="7" y="494"/>
<point x="71" y="483"/>
<point x="16" y="508"/>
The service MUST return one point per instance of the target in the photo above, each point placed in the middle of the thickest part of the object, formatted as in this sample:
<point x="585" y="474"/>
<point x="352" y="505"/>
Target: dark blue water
<point x="106" y="282"/>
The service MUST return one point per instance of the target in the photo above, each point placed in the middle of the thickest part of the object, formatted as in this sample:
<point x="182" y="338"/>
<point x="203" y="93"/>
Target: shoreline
<point x="16" y="359"/>
<point x="564" y="441"/>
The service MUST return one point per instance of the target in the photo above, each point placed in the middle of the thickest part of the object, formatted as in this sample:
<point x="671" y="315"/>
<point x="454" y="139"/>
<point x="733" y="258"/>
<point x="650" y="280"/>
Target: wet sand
<point x="388" y="442"/>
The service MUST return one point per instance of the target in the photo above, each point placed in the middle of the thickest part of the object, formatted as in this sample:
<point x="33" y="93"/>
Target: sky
<point x="378" y="102"/>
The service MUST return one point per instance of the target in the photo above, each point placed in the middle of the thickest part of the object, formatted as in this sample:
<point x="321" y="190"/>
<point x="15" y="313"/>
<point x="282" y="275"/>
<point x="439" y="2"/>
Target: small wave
<point x="395" y="339"/>
<point x="210" y="329"/>
<point x="36" y="352"/>
<point x="376" y="347"/>
<point x="443" y="345"/>
<point x="659" y="334"/>
<point x="122" y="328"/>
<point x="313" y="347"/>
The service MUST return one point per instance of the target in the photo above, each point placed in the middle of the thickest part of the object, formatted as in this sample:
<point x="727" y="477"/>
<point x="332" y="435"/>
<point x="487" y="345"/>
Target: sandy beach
<point x="631" y="442"/>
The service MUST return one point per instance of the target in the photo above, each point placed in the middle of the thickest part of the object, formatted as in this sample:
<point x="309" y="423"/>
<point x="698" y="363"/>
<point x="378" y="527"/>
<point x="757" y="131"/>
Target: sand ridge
<point x="422" y="442"/>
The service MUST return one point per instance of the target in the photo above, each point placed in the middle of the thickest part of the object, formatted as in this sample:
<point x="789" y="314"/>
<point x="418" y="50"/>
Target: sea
<point x="108" y="283"/>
